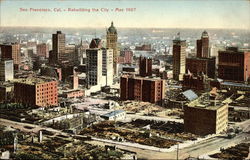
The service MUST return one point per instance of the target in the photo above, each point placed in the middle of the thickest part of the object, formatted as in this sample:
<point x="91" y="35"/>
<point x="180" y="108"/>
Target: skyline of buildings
<point x="164" y="92"/>
<point x="219" y="14"/>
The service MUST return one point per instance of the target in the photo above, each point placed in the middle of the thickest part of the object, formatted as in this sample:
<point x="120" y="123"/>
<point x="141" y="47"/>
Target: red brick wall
<point x="199" y="121"/>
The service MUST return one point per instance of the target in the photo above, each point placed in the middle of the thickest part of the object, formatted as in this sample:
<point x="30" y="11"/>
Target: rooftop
<point x="142" y="78"/>
<point x="236" y="84"/>
<point x="235" y="50"/>
<point x="72" y="90"/>
<point x="112" y="29"/>
<point x="201" y="58"/>
<point x="34" y="80"/>
<point x="204" y="34"/>
<point x="95" y="43"/>
<point x="190" y="95"/>
<point x="113" y="113"/>
<point x="205" y="103"/>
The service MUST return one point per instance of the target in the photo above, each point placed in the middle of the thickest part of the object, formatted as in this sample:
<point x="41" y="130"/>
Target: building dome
<point x="112" y="29"/>
<point x="204" y="34"/>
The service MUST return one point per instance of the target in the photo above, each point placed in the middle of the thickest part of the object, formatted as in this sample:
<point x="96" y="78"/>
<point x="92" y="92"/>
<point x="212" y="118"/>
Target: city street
<point x="203" y="148"/>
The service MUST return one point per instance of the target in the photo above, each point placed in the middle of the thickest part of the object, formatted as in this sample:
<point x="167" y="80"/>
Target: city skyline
<point x="150" y="14"/>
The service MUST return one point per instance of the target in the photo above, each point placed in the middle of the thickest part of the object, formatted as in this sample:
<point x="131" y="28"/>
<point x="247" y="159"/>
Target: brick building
<point x="6" y="92"/>
<point x="73" y="93"/>
<point x="234" y="64"/>
<point x="51" y="72"/>
<point x="194" y="82"/>
<point x="201" y="65"/>
<point x="205" y="117"/>
<point x="11" y="51"/>
<point x="145" y="66"/>
<point x="126" y="57"/>
<point x="40" y="91"/>
<point x="134" y="88"/>
<point x="74" y="81"/>
<point x="42" y="50"/>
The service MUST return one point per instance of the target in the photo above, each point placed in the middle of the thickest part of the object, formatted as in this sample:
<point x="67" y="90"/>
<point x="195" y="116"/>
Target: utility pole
<point x="248" y="112"/>
<point x="177" y="154"/>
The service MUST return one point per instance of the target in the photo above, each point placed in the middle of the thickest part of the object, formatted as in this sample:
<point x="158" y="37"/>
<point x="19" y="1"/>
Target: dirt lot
<point x="237" y="152"/>
<point x="240" y="100"/>
<point x="62" y="147"/>
<point x="146" y="108"/>
<point x="237" y="116"/>
<point x="160" y="135"/>
<point x="170" y="129"/>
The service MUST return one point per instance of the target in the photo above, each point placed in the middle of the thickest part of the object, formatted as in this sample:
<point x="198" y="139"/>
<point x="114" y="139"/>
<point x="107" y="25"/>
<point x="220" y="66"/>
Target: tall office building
<point x="81" y="53"/>
<point x="42" y="50"/>
<point x="6" y="70"/>
<point x="11" y="51"/>
<point x="145" y="66"/>
<point x="107" y="67"/>
<point x="112" y="44"/>
<point x="94" y="66"/>
<point x="58" y="47"/>
<point x="203" y="46"/>
<point x="198" y="66"/>
<point x="71" y="55"/>
<point x="99" y="64"/>
<point x="126" y="56"/>
<point x="94" y="63"/>
<point x="202" y="63"/>
<point x="179" y="58"/>
<point x="234" y="64"/>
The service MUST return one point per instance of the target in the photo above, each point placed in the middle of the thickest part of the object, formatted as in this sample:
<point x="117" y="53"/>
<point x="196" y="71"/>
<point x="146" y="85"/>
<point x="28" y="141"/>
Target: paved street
<point x="200" y="148"/>
<point x="163" y="119"/>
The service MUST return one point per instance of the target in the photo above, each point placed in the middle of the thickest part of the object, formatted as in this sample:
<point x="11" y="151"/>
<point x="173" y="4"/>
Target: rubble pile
<point x="239" y="151"/>
<point x="108" y="130"/>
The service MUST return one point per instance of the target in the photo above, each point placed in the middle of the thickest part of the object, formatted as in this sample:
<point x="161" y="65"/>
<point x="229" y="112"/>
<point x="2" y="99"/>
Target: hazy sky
<point x="148" y="13"/>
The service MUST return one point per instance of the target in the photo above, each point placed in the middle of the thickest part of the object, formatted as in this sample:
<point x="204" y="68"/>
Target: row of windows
<point x="44" y="93"/>
<point x="46" y="99"/>
<point x="47" y="84"/>
<point x="47" y="102"/>
<point x="44" y="89"/>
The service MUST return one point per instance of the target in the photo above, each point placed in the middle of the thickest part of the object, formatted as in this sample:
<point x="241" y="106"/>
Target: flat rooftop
<point x="204" y="103"/>
<point x="34" y="80"/>
<point x="113" y="113"/>
<point x="202" y="59"/>
<point x="144" y="78"/>
<point x="72" y="90"/>
<point x="236" y="84"/>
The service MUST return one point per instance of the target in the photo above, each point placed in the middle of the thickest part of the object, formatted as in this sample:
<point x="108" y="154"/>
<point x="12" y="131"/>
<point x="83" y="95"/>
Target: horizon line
<point x="124" y="27"/>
